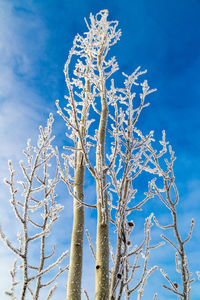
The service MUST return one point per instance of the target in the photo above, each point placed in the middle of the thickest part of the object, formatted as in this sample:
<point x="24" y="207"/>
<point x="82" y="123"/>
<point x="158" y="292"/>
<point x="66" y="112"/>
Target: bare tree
<point x="37" y="199"/>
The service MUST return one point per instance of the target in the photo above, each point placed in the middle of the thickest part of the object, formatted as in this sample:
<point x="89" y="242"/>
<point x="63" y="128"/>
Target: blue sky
<point x="160" y="36"/>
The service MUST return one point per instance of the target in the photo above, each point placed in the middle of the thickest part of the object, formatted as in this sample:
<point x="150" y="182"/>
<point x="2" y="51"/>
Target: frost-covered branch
<point x="90" y="244"/>
<point x="14" y="283"/>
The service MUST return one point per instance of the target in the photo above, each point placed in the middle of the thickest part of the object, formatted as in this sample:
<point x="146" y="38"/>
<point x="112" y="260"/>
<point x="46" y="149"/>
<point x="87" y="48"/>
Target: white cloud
<point x="19" y="103"/>
<point x="19" y="106"/>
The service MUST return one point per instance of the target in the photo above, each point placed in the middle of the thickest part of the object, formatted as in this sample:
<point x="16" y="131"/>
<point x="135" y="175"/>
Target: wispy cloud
<point x="20" y="104"/>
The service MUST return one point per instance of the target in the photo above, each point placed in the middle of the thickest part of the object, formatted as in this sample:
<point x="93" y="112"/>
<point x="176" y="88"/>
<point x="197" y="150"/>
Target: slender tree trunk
<point x="38" y="282"/>
<point x="75" y="267"/>
<point x="42" y="245"/>
<point x="102" y="256"/>
<point x="120" y="240"/>
<point x="116" y="268"/>
<point x="102" y="240"/>
<point x="76" y="252"/>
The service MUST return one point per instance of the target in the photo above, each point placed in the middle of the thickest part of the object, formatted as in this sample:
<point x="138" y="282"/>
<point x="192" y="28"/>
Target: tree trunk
<point x="76" y="253"/>
<point x="102" y="240"/>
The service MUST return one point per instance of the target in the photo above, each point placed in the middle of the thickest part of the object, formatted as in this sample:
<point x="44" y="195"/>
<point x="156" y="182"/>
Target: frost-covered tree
<point x="102" y="122"/>
<point x="36" y="210"/>
<point x="103" y="139"/>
